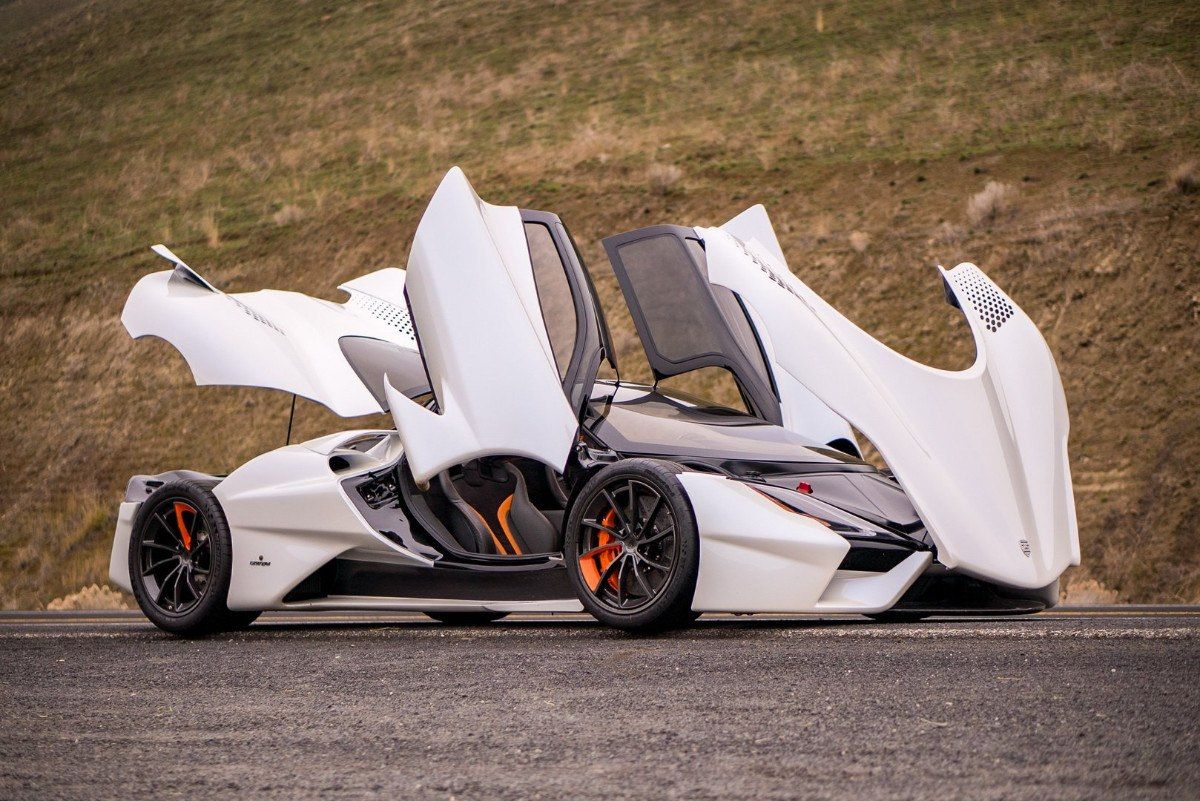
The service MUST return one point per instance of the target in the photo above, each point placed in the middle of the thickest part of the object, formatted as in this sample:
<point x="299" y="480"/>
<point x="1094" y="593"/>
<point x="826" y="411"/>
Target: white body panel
<point x="474" y="305"/>
<point x="288" y="516"/>
<point x="118" y="560"/>
<point x="803" y="412"/>
<point x="981" y="453"/>
<point x="868" y="593"/>
<point x="273" y="339"/>
<point x="758" y="557"/>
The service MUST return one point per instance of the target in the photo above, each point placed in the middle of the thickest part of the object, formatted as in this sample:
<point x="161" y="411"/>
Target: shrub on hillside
<point x="994" y="201"/>
<point x="663" y="178"/>
<point x="1183" y="178"/>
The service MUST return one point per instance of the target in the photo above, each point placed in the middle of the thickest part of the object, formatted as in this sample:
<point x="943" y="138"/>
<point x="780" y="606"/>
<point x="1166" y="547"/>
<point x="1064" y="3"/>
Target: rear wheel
<point x="180" y="561"/>
<point x="466" y="618"/>
<point x="631" y="546"/>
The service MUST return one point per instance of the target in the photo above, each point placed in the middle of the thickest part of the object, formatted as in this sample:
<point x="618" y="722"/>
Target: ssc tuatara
<point x="517" y="480"/>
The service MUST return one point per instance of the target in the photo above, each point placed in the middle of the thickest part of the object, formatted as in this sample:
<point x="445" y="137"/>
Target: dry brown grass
<point x="288" y="214"/>
<point x="947" y="233"/>
<point x="92" y="596"/>
<point x="1085" y="591"/>
<point x="60" y="548"/>
<point x="210" y="228"/>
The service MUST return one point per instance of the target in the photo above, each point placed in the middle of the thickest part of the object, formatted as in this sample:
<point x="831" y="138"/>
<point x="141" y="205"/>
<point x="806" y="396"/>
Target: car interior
<point x="503" y="507"/>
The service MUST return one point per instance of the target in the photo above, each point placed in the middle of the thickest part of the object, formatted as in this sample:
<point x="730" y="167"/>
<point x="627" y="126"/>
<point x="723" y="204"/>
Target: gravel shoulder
<point x="1064" y="706"/>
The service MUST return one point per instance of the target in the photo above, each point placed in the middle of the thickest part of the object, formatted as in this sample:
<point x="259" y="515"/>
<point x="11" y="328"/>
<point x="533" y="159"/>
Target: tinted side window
<point x="671" y="296"/>
<point x="554" y="294"/>
<point x="735" y="316"/>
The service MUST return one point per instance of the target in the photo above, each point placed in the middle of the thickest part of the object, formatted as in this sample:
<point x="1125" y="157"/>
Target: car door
<point x="474" y="301"/>
<point x="982" y="453"/>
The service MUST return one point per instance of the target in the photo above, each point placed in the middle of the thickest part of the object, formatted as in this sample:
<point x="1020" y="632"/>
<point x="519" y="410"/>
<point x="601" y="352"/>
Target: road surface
<point x="1103" y="703"/>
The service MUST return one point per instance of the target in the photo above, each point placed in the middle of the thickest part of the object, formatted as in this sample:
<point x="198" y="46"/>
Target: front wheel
<point x="632" y="548"/>
<point x="181" y="559"/>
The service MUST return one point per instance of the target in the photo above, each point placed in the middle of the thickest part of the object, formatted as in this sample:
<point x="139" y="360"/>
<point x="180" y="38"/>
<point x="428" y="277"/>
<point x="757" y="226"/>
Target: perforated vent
<point x="251" y="313"/>
<point x="992" y="307"/>
<point x="389" y="313"/>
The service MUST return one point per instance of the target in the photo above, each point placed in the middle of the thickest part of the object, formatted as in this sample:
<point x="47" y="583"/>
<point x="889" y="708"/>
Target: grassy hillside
<point x="294" y="146"/>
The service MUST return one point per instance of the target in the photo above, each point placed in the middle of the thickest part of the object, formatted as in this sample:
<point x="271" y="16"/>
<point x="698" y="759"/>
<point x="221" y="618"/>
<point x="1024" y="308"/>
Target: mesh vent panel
<point x="991" y="306"/>
<point x="389" y="313"/>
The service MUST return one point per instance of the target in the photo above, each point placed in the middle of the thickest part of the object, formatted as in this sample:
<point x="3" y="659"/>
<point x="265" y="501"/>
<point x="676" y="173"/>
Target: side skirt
<point x="500" y="583"/>
<point x="368" y="603"/>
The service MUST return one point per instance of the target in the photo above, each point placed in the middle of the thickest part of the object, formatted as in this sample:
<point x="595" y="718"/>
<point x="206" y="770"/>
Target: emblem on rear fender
<point x="1026" y="548"/>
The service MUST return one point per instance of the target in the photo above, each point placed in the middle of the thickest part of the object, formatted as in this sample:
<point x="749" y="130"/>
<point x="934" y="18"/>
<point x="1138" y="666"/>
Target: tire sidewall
<point x="673" y="606"/>
<point x="211" y="613"/>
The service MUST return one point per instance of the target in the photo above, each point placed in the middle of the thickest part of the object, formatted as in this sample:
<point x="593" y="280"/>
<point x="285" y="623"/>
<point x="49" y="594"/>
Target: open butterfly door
<point x="982" y="453"/>
<point x="491" y="367"/>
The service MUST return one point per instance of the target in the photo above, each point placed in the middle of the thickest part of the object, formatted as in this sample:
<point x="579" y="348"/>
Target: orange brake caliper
<point x="183" y="530"/>
<point x="601" y="557"/>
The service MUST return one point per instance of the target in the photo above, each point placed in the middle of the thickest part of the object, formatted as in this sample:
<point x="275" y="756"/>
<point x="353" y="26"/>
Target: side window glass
<point x="734" y="315"/>
<point x="554" y="294"/>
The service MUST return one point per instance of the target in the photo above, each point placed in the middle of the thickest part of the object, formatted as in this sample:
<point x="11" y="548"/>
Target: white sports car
<point x="515" y="480"/>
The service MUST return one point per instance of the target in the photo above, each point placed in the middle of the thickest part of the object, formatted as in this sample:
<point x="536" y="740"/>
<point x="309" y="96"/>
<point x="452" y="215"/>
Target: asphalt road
<point x="1103" y="704"/>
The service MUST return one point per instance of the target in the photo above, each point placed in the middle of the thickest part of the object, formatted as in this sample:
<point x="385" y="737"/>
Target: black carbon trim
<point x="547" y="582"/>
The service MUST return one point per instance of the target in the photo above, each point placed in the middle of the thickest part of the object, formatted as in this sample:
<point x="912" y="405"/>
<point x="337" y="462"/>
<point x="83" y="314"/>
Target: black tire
<point x="631" y="566"/>
<point x="466" y="618"/>
<point x="181" y="559"/>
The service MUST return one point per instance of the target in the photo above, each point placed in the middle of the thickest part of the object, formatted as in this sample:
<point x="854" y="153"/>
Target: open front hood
<point x="982" y="453"/>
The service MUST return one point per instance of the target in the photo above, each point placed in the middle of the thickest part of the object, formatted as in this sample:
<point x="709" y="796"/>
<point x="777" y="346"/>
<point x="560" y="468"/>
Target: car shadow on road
<point x="573" y="626"/>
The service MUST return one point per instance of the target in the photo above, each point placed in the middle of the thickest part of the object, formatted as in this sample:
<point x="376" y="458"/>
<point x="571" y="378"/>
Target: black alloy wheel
<point x="180" y="561"/>
<point x="175" y="556"/>
<point x="632" y="548"/>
